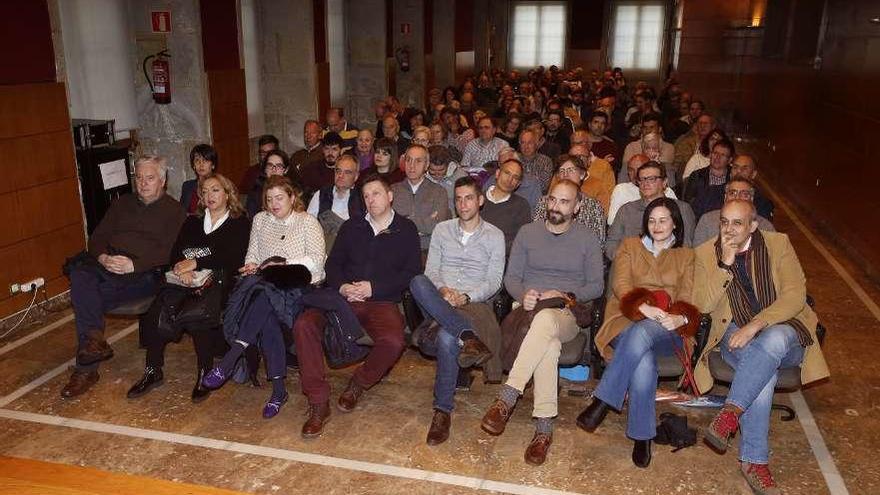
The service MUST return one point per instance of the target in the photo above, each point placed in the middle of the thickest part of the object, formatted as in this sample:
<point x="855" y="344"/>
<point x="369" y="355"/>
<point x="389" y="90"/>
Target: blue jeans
<point x="94" y="291"/>
<point x="633" y="369"/>
<point x="756" y="367"/>
<point x="452" y="324"/>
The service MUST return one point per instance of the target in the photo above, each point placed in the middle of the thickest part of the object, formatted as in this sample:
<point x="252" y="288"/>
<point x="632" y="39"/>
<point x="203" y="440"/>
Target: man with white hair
<point x="124" y="261"/>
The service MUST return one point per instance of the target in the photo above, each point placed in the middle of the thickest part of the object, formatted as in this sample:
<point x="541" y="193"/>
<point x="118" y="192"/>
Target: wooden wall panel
<point x="27" y="33"/>
<point x="31" y="160"/>
<point x="220" y="34"/>
<point x="33" y="109"/>
<point x="48" y="207"/>
<point x="229" y="124"/>
<point x="11" y="230"/>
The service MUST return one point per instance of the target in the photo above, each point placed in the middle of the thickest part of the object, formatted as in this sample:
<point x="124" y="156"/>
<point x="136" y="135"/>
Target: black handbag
<point x="199" y="309"/>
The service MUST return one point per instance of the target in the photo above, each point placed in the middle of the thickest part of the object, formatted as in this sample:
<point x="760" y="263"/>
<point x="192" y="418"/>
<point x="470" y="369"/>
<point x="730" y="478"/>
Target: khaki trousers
<point x="538" y="357"/>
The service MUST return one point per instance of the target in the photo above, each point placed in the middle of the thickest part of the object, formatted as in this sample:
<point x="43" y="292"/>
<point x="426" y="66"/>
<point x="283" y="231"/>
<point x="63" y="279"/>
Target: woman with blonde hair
<point x="284" y="256"/>
<point x="215" y="239"/>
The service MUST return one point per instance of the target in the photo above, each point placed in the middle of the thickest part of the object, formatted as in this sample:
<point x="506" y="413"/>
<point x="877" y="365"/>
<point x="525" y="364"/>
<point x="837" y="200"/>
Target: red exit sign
<point x="161" y="20"/>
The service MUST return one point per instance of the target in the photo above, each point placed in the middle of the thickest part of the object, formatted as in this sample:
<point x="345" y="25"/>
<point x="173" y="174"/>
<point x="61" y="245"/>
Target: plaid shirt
<point x="477" y="153"/>
<point x="590" y="216"/>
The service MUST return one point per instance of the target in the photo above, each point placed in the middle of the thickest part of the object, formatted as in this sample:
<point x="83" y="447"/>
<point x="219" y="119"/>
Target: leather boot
<point x="496" y="418"/>
<point x="200" y="392"/>
<point x="319" y="415"/>
<point x="152" y="378"/>
<point x="80" y="382"/>
<point x="642" y="453"/>
<point x="349" y="398"/>
<point x="536" y="452"/>
<point x="439" y="430"/>
<point x="93" y="349"/>
<point x="591" y="417"/>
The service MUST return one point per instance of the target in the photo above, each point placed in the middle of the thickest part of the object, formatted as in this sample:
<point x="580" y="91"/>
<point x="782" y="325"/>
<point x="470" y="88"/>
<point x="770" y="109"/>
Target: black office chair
<point x="134" y="308"/>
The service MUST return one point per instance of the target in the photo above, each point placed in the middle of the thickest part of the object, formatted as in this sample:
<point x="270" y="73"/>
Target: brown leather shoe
<point x="496" y="418"/>
<point x="349" y="398"/>
<point x="80" y="382"/>
<point x="95" y="349"/>
<point x="473" y="353"/>
<point x="536" y="452"/>
<point x="319" y="415"/>
<point x="439" y="430"/>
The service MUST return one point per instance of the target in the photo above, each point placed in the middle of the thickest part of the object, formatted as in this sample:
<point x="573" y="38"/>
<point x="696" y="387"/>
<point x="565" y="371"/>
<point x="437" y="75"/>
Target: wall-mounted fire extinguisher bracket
<point x="160" y="83"/>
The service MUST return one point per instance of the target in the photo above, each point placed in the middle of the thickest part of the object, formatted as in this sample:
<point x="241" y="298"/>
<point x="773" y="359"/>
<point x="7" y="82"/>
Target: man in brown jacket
<point x="754" y="288"/>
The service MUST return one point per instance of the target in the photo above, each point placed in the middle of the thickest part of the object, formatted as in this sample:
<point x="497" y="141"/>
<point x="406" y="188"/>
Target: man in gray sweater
<point x="556" y="258"/>
<point x="418" y="199"/>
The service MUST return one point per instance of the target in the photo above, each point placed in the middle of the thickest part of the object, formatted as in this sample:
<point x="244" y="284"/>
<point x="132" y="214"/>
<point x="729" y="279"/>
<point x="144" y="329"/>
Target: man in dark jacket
<point x="133" y="239"/>
<point x="371" y="263"/>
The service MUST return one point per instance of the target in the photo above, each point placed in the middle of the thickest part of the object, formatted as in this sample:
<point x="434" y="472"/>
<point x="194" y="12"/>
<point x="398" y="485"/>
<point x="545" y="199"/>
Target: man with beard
<point x="464" y="269"/>
<point x="320" y="173"/>
<point x="556" y="258"/>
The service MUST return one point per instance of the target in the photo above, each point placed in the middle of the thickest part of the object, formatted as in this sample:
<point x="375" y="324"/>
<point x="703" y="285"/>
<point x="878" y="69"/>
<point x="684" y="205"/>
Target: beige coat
<point x="636" y="267"/>
<point x="710" y="296"/>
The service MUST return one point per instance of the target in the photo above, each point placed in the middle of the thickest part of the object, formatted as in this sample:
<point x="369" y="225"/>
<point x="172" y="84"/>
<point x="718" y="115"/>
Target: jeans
<point x="633" y="369"/>
<point x="756" y="366"/>
<point x="452" y="324"/>
<point x="260" y="325"/>
<point x="94" y="291"/>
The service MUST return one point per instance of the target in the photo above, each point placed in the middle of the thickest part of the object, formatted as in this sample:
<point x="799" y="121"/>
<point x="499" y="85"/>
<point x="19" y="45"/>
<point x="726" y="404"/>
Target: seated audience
<point x="709" y="224"/>
<point x="418" y="199"/>
<point x="628" y="222"/>
<point x="745" y="167"/>
<point x="705" y="187"/>
<point x="502" y="208"/>
<point x="688" y="145"/>
<point x="335" y="118"/>
<point x="599" y="181"/>
<point x="700" y="158"/>
<point x="265" y="144"/>
<point x="385" y="163"/>
<point x="761" y="323"/>
<point x="312" y="150"/>
<point x="203" y="160"/>
<point x="371" y="264"/>
<point x="275" y="163"/>
<point x="260" y="312"/>
<point x="650" y="143"/>
<point x="443" y="171"/>
<point x="625" y="192"/>
<point x="556" y="258"/>
<point x="647" y="315"/>
<point x="536" y="165"/>
<point x="319" y="173"/>
<point x="589" y="212"/>
<point x="125" y="260"/>
<point x="216" y="240"/>
<point x="391" y="131"/>
<point x="510" y="129"/>
<point x="364" y="149"/>
<point x="463" y="272"/>
<point x="333" y="205"/>
<point x="483" y="149"/>
<point x="558" y="133"/>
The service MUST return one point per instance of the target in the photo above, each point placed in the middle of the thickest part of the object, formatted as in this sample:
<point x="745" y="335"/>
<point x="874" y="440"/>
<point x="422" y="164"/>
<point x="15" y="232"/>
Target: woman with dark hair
<point x="215" y="239"/>
<point x="276" y="162"/>
<point x="700" y="158"/>
<point x="385" y="163"/>
<point x="203" y="160"/>
<point x="509" y="130"/>
<point x="262" y="309"/>
<point x="449" y="95"/>
<point x="648" y="314"/>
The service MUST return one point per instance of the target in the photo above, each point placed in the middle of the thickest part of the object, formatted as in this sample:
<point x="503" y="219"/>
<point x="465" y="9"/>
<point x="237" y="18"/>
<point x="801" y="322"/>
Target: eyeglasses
<point x="567" y="170"/>
<point x="740" y="193"/>
<point x="275" y="166"/>
<point x="650" y="179"/>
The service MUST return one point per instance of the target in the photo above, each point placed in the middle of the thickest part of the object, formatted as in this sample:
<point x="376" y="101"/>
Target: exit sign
<point x="161" y="20"/>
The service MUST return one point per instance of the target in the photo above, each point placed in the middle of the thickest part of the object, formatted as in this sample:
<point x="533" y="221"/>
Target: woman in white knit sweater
<point x="282" y="234"/>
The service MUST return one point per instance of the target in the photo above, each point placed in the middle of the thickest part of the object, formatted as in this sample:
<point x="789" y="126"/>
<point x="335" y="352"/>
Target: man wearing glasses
<point x="628" y="222"/>
<point x="710" y="222"/>
<point x="335" y="204"/>
<point x="483" y="149"/>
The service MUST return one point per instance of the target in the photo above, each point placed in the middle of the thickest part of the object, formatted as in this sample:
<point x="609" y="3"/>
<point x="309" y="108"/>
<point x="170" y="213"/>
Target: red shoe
<point x="722" y="428"/>
<point x="759" y="478"/>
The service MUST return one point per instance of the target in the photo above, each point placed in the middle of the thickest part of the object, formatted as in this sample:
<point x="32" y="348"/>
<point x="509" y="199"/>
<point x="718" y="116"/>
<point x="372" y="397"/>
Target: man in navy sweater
<point x="371" y="263"/>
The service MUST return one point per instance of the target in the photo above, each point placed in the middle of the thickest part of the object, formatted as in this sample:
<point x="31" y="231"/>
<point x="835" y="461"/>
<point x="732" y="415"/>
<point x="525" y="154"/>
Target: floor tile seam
<point x="61" y="368"/>
<point x="36" y="334"/>
<point x="285" y="454"/>
<point x="827" y="466"/>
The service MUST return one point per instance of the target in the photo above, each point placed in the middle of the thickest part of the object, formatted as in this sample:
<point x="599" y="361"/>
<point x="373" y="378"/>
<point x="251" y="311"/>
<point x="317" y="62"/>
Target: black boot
<point x="200" y="392"/>
<point x="642" y="453"/>
<point x="593" y="415"/>
<point x="152" y="378"/>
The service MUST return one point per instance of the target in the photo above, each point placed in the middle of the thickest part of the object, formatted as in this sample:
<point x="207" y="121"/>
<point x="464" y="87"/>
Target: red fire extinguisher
<point x="160" y="83"/>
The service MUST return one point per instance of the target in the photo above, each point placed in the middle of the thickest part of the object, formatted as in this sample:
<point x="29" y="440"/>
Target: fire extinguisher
<point x="160" y="83"/>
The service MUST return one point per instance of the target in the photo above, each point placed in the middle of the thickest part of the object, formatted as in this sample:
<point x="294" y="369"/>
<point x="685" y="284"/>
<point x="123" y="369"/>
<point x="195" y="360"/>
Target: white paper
<point x="113" y="174"/>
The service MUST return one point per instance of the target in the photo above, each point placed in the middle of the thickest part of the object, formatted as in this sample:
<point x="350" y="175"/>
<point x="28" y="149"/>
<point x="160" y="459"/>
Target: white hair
<point x="160" y="162"/>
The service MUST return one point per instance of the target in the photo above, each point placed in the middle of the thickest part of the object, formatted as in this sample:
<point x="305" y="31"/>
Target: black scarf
<point x="757" y="262"/>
